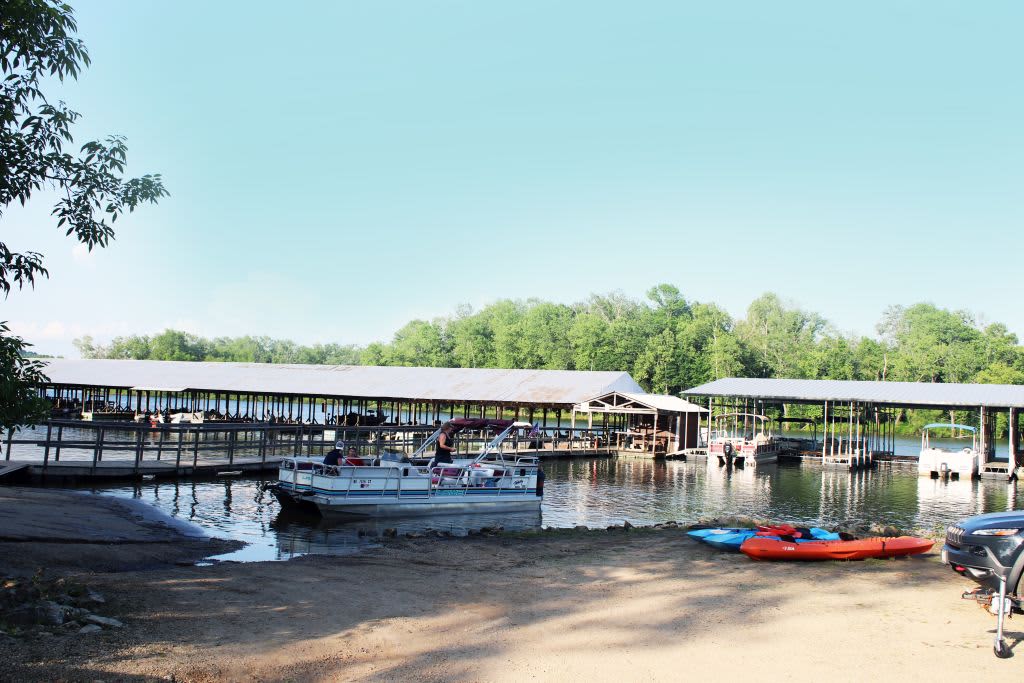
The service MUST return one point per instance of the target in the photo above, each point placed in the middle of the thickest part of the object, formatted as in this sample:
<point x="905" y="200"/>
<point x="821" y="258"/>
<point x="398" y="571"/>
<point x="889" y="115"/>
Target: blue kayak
<point x="731" y="539"/>
<point x="701" y="534"/>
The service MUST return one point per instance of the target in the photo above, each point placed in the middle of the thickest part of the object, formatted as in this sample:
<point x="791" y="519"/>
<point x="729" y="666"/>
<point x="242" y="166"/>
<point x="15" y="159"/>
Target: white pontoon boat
<point x="393" y="484"/>
<point x="742" y="439"/>
<point x="936" y="461"/>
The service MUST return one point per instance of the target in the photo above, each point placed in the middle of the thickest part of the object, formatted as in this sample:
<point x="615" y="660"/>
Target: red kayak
<point x="758" y="548"/>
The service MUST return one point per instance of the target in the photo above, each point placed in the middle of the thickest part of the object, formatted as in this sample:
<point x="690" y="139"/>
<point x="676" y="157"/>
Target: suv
<point x="989" y="549"/>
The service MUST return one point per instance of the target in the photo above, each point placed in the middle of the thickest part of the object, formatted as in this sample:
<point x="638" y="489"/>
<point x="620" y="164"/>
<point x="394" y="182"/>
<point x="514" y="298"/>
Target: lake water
<point x="599" y="492"/>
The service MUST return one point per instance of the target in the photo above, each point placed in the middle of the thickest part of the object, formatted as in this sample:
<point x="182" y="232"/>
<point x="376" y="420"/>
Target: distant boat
<point x="958" y="463"/>
<point x="742" y="439"/>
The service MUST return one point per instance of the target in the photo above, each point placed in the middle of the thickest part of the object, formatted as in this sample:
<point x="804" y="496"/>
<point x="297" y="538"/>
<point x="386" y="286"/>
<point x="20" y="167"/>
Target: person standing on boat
<point x="445" y="445"/>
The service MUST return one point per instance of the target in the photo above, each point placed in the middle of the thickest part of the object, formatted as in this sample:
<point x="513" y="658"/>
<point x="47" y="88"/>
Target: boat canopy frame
<point x="949" y="425"/>
<point x="461" y="424"/>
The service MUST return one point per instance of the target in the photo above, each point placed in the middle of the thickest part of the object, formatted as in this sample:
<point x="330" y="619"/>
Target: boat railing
<point x="444" y="478"/>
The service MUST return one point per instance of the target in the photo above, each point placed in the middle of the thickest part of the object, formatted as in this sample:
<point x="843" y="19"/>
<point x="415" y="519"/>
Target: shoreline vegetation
<point x="665" y="342"/>
<point x="490" y="606"/>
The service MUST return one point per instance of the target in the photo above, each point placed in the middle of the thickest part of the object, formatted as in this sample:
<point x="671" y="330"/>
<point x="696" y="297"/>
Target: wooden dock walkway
<point x="111" y="450"/>
<point x="128" y="469"/>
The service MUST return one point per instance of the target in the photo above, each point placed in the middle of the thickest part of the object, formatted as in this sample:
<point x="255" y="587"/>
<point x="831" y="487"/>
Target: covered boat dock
<point x="859" y="416"/>
<point x="178" y="417"/>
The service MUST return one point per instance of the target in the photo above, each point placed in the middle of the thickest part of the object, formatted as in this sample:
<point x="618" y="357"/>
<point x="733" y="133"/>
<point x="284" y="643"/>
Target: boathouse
<point x="116" y="417"/>
<point x="321" y="394"/>
<point x="656" y="424"/>
<point x="858" y="412"/>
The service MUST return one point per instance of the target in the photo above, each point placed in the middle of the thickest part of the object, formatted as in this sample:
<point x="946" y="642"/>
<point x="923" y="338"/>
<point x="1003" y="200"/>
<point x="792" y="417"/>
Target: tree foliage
<point x="175" y="345"/>
<point x="665" y="342"/>
<point x="20" y="375"/>
<point x="38" y="42"/>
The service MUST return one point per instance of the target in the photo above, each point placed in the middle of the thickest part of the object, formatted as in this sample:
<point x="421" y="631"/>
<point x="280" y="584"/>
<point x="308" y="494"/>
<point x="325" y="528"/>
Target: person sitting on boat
<point x="334" y="455"/>
<point x="445" y="445"/>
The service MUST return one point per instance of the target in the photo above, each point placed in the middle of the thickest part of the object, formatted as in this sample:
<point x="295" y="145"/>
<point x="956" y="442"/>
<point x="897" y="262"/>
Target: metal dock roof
<point x="908" y="394"/>
<point x="488" y="385"/>
<point x="607" y="402"/>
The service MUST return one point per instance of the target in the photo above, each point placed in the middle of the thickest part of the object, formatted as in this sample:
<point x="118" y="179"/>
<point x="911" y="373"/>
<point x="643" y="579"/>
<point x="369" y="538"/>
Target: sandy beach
<point x="599" y="605"/>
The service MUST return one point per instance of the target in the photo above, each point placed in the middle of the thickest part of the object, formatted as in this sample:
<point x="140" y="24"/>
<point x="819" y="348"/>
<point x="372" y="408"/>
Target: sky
<point x="337" y="169"/>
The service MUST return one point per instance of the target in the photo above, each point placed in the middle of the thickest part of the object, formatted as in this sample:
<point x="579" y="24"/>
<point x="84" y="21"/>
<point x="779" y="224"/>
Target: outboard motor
<point x="540" y="482"/>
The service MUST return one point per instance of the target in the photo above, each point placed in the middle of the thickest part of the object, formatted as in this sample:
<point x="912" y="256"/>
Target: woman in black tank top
<point x="445" y="447"/>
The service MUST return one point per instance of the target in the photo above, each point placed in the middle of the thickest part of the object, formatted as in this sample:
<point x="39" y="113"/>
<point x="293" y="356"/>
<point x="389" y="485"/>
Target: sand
<point x="648" y="605"/>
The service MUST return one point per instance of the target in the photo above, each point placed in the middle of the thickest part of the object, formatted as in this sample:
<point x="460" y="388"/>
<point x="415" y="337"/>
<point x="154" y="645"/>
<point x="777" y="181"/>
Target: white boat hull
<point x="937" y="462"/>
<point x="744" y="454"/>
<point x="380" y="508"/>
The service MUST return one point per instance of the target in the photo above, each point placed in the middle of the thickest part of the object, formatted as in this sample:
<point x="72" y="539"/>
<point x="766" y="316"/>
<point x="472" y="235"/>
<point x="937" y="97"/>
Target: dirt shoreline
<point x="616" y="605"/>
<point x="65" y="531"/>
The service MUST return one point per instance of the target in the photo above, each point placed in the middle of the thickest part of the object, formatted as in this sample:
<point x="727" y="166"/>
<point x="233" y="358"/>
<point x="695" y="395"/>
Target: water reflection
<point x="598" y="493"/>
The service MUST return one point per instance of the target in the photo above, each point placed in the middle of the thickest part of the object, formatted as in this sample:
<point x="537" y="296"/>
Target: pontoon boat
<point x="936" y="461"/>
<point x="393" y="484"/>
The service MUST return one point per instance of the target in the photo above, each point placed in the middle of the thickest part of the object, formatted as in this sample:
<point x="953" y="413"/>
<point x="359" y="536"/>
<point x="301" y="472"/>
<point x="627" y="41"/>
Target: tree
<point x="472" y="339"/>
<point x="935" y="345"/>
<point x="712" y="349"/>
<point x="541" y="337"/>
<point x="19" y="403"/>
<point x="782" y="339"/>
<point x="38" y="41"/>
<point x="418" y="343"/>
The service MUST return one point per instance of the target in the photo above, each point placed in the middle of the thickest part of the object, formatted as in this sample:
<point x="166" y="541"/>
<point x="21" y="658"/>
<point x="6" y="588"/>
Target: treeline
<point x="665" y="342"/>
<point x="175" y="345"/>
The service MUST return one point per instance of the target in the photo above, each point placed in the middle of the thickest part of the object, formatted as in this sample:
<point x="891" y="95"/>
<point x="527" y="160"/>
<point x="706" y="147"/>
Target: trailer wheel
<point x="1002" y="652"/>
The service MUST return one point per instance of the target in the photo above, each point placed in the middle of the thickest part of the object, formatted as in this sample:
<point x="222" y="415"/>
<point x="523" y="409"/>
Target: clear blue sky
<point x="338" y="168"/>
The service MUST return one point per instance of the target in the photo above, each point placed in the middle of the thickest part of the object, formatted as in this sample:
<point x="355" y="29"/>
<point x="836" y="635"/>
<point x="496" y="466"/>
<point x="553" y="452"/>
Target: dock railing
<point x="143" y="448"/>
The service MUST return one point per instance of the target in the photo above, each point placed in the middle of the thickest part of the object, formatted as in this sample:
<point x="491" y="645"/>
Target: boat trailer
<point x="1002" y="606"/>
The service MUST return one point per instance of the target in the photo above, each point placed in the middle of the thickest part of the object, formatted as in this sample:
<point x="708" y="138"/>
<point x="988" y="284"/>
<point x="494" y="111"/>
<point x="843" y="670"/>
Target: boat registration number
<point x="453" y="492"/>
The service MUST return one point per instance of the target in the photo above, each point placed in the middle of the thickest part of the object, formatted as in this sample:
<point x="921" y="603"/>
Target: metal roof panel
<point x="488" y="385"/>
<point x="910" y="394"/>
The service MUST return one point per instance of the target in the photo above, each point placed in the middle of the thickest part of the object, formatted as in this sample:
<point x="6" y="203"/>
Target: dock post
<point x="138" y="450"/>
<point x="177" y="459"/>
<point x="160" y="443"/>
<point x="1014" y="439"/>
<point x="46" y="451"/>
<point x="60" y="436"/>
<point x="10" y="437"/>
<point x="97" y="453"/>
<point x="232" y="436"/>
<point x="263" y="446"/>
<point x="195" y="451"/>
<point x="298" y="441"/>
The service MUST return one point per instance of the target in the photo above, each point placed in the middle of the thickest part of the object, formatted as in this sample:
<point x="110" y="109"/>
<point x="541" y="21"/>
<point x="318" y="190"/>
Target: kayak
<point x="731" y="539"/>
<point x="701" y="534"/>
<point x="761" y="548"/>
